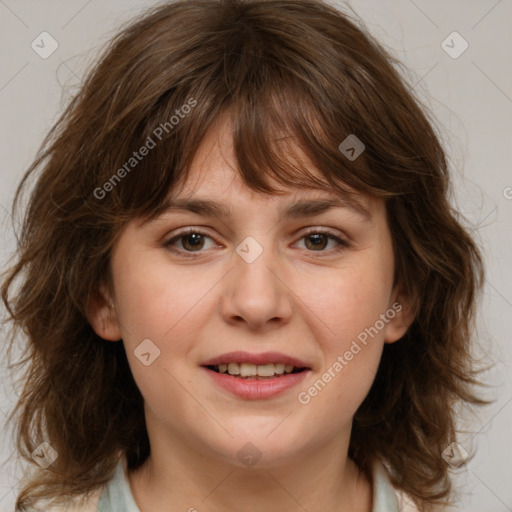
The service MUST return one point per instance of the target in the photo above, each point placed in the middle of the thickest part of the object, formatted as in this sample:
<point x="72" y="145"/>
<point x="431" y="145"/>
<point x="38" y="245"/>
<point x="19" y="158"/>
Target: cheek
<point x="347" y="322"/>
<point x="158" y="300"/>
<point x="159" y="303"/>
<point x="346" y="301"/>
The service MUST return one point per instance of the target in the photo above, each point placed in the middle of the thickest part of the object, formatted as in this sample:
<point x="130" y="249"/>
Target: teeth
<point x="265" y="370"/>
<point x="279" y="368"/>
<point x="233" y="369"/>
<point x="253" y="370"/>
<point x="247" y="370"/>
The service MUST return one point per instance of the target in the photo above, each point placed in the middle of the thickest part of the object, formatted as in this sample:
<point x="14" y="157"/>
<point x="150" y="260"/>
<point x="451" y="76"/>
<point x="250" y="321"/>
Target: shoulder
<point x="80" y="504"/>
<point x="405" y="503"/>
<point x="386" y="496"/>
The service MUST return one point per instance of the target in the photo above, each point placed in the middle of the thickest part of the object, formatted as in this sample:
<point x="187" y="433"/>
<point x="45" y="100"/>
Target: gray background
<point x="470" y="97"/>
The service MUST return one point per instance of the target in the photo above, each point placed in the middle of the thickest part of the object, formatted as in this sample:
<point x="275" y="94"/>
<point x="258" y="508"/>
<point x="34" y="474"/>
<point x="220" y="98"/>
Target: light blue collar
<point x="384" y="497"/>
<point x="117" y="496"/>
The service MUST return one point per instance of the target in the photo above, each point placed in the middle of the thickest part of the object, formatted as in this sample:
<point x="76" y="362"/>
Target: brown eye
<point x="192" y="241"/>
<point x="316" y="241"/>
<point x="187" y="242"/>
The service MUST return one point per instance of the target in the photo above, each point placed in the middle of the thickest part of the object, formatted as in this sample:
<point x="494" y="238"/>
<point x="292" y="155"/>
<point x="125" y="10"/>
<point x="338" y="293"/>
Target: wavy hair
<point x="283" y="70"/>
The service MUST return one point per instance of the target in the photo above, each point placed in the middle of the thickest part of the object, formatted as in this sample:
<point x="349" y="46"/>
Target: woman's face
<point x="263" y="282"/>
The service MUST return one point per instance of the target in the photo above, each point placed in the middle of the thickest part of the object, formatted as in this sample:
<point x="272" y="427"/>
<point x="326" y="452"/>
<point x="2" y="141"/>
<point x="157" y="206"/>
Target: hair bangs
<point x="281" y="136"/>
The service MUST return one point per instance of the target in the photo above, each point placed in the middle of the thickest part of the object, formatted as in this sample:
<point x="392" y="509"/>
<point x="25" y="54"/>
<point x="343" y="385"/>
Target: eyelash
<point x="314" y="231"/>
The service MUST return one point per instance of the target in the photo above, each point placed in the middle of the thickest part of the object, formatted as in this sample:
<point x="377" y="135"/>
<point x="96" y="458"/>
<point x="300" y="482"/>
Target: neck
<point x="184" y="477"/>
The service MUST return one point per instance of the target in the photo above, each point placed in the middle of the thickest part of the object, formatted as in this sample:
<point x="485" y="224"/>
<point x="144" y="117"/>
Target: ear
<point x="401" y="315"/>
<point x="102" y="316"/>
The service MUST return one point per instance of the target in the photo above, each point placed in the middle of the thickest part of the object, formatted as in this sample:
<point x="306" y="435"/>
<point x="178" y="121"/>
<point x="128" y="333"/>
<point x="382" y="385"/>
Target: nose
<point x="255" y="291"/>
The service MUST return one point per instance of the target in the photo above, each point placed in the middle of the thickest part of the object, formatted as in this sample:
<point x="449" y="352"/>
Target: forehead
<point x="214" y="173"/>
<point x="222" y="186"/>
<point x="219" y="191"/>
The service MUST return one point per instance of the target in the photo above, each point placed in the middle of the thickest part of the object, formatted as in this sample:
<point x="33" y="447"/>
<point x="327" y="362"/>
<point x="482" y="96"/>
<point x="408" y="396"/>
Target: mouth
<point x="252" y="376"/>
<point x="250" y="371"/>
<point x="256" y="382"/>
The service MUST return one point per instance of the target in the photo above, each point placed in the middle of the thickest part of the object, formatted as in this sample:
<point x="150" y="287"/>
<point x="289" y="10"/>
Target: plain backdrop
<point x="469" y="94"/>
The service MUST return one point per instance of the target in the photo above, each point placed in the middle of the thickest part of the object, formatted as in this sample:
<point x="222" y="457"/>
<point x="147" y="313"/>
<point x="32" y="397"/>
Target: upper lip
<point x="263" y="358"/>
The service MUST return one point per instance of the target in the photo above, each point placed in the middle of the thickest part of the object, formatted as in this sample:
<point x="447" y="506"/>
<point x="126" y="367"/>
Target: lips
<point x="256" y="388"/>
<point x="257" y="359"/>
<point x="248" y="375"/>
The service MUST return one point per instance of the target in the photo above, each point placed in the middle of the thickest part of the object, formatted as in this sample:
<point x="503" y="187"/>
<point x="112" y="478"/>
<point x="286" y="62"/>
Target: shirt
<point x="116" y="495"/>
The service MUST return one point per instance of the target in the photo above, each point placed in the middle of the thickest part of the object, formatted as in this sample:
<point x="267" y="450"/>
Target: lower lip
<point x="254" y="389"/>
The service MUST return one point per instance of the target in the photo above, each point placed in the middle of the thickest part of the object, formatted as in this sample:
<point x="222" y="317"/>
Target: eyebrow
<point x="305" y="208"/>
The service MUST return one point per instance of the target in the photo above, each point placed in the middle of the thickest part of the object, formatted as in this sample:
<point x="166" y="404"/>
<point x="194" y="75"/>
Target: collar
<point x="117" y="495"/>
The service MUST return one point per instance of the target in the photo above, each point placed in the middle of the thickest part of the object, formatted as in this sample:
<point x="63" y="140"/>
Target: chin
<point x="263" y="447"/>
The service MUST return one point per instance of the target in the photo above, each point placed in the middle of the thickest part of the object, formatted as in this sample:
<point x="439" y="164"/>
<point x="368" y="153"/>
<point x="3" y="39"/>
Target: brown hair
<point x="283" y="70"/>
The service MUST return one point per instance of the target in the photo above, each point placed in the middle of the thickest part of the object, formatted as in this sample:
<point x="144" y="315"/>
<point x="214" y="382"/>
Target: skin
<point x="295" y="298"/>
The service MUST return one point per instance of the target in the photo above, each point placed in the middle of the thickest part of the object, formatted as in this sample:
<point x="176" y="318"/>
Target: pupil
<point x="196" y="240"/>
<point x="318" y="239"/>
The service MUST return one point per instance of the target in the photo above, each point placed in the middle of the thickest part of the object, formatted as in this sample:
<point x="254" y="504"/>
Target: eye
<point x="192" y="241"/>
<point x="317" y="239"/>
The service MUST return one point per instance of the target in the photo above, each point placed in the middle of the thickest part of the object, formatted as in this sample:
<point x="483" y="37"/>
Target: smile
<point x="255" y="371"/>
<point x="256" y="387"/>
